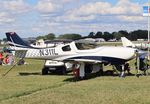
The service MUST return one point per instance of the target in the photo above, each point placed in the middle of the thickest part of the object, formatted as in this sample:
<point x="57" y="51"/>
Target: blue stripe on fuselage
<point x="104" y="59"/>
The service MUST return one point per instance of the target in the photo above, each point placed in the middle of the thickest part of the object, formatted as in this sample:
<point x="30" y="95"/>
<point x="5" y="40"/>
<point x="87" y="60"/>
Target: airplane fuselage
<point x="70" y="51"/>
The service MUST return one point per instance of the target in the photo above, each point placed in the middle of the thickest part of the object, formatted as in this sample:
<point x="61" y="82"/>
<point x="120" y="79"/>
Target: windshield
<point x="85" y="46"/>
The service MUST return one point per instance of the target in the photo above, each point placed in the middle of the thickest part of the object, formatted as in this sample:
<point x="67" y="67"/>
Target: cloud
<point x="47" y="6"/>
<point x="94" y="11"/>
<point x="126" y="7"/>
<point x="93" y="8"/>
<point x="92" y="16"/>
<point x="84" y="29"/>
<point x="130" y="18"/>
<point x="66" y="1"/>
<point x="74" y="18"/>
<point x="5" y="18"/>
<point x="68" y="16"/>
<point x="16" y="6"/>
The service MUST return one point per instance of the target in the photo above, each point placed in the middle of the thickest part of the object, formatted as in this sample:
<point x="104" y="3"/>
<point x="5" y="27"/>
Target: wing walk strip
<point x="34" y="91"/>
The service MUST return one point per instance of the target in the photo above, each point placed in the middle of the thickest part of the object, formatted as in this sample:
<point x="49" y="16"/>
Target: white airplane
<point x="127" y="43"/>
<point x="41" y="44"/>
<point x="48" y="43"/>
<point x="74" y="52"/>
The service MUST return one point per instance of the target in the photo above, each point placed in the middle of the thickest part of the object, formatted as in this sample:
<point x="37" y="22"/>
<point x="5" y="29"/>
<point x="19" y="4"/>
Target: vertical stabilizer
<point x="14" y="40"/>
<point x="126" y="42"/>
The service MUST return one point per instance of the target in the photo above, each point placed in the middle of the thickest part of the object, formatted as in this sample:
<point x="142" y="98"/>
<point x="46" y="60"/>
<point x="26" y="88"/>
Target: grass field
<point x="25" y="85"/>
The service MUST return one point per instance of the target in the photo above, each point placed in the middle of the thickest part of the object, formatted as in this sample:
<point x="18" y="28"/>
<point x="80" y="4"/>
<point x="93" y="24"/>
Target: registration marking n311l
<point x="47" y="52"/>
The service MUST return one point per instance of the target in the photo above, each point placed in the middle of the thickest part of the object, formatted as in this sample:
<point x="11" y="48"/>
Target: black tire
<point x="100" y="73"/>
<point x="88" y="68"/>
<point x="63" y="72"/>
<point x="45" y="71"/>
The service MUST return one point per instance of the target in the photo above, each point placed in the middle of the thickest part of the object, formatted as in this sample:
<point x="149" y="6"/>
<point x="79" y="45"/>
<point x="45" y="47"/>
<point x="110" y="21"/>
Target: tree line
<point x="133" y="35"/>
<point x="52" y="36"/>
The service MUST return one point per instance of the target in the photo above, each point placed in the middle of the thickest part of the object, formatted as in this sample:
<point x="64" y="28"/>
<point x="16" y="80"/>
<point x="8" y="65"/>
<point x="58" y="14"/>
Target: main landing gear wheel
<point x="44" y="71"/>
<point x="62" y="70"/>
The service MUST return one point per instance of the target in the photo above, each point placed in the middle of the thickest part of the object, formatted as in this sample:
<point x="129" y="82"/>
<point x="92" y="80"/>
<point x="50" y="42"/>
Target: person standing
<point x="146" y="65"/>
<point x="141" y="65"/>
<point x="5" y="60"/>
<point x="1" y="58"/>
<point x="11" y="59"/>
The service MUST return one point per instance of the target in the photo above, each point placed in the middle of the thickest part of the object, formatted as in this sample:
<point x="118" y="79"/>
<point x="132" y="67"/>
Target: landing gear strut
<point x="122" y="73"/>
<point x="120" y="68"/>
<point x="79" y="71"/>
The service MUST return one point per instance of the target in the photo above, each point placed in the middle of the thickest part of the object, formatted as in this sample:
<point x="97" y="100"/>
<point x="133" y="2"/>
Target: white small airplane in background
<point x="41" y="44"/>
<point x="127" y="43"/>
<point x="74" y="52"/>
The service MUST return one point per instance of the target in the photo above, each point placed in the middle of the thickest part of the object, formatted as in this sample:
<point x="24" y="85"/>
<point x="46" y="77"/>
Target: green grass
<point x="25" y="85"/>
<point x="110" y="43"/>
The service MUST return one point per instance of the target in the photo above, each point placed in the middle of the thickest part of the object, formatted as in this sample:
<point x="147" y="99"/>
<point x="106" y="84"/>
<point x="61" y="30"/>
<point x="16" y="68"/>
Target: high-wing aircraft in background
<point x="142" y="53"/>
<point x="127" y="43"/>
<point x="74" y="52"/>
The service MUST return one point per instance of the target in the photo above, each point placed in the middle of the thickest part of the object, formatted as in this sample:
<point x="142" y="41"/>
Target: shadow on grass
<point x="87" y="77"/>
<point x="39" y="73"/>
<point x="29" y="73"/>
<point x="73" y="78"/>
<point x="92" y="76"/>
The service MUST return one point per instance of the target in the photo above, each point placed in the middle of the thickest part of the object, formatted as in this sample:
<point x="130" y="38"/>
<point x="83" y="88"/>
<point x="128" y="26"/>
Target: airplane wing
<point x="85" y="60"/>
<point x="90" y="59"/>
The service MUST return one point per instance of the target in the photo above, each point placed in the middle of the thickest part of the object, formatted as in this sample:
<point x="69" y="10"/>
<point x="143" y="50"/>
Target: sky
<point x="31" y="18"/>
